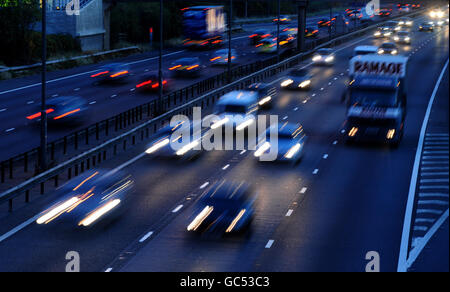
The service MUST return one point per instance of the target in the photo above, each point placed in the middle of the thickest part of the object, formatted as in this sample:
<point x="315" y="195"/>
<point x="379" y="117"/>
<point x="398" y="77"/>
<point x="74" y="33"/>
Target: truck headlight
<point x="380" y="51"/>
<point x="287" y="83"/>
<point x="394" y="52"/>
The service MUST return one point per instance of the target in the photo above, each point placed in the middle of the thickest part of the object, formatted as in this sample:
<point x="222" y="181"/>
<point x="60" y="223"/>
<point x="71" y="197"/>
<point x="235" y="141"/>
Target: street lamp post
<point x="278" y="30"/>
<point x="160" y="73"/>
<point x="43" y="148"/>
<point x="230" y="55"/>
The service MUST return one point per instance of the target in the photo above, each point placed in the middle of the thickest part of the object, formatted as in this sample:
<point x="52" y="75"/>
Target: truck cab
<point x="376" y="99"/>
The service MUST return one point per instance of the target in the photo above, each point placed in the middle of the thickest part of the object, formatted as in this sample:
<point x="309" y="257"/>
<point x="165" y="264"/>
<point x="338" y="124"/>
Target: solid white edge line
<point x="177" y="209"/>
<point x="145" y="237"/>
<point x="108" y="270"/>
<point x="270" y="243"/>
<point x="403" y="256"/>
<point x="18" y="228"/>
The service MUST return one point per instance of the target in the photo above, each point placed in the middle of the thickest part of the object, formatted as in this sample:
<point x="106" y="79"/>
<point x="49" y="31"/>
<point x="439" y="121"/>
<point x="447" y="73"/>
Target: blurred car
<point x="225" y="208"/>
<point x="150" y="83"/>
<point x="187" y="67"/>
<point x="405" y="8"/>
<point x="324" y="22"/>
<point x="388" y="48"/>
<point x="384" y="31"/>
<point x="269" y="45"/>
<point x="385" y="12"/>
<point x="297" y="79"/>
<point x="311" y="32"/>
<point x="289" y="145"/>
<point x="95" y="196"/>
<point x="284" y="19"/>
<point x="266" y="94"/>
<point x="114" y="72"/>
<point x="402" y="37"/>
<point x="62" y="109"/>
<point x="405" y="22"/>
<point x="426" y="26"/>
<point x="324" y="56"/>
<point x="237" y="109"/>
<point x="220" y="57"/>
<point x="439" y="22"/>
<point x="354" y="14"/>
<point x="259" y="35"/>
<point x="179" y="141"/>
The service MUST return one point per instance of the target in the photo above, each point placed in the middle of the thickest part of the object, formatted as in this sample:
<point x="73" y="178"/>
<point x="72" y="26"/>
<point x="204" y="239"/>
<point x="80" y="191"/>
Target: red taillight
<point x="192" y="67"/>
<point x="174" y="67"/>
<point x="66" y="114"/>
<point x="253" y="35"/>
<point x="119" y="74"/>
<point x="143" y="84"/>
<point x="204" y="43"/>
<point x="215" y="59"/>
<point x="101" y="73"/>
<point x="156" y="85"/>
<point x="37" y="115"/>
<point x="216" y="42"/>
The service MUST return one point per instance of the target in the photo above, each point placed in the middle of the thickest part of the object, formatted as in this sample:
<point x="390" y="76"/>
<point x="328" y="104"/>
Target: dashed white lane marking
<point x="303" y="190"/>
<point x="204" y="185"/>
<point x="335" y="142"/>
<point x="3" y="110"/>
<point x="325" y="156"/>
<point x="295" y="109"/>
<point x="55" y="95"/>
<point x="321" y="89"/>
<point x="342" y="131"/>
<point x="270" y="243"/>
<point x="335" y="78"/>
<point x="285" y="118"/>
<point x="225" y="167"/>
<point x="316" y="171"/>
<point x="114" y="95"/>
<point x="132" y="89"/>
<point x="243" y="152"/>
<point x="30" y="102"/>
<point x="9" y="130"/>
<point x="313" y="94"/>
<point x="177" y="209"/>
<point x="92" y="102"/>
<point x="289" y="213"/>
<point x="329" y="83"/>
<point x="108" y="270"/>
<point x="145" y="237"/>
<point x="76" y="89"/>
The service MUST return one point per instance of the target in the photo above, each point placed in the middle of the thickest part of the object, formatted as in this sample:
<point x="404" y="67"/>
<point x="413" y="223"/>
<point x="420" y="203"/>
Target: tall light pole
<point x="43" y="148"/>
<point x="230" y="56"/>
<point x="160" y="73"/>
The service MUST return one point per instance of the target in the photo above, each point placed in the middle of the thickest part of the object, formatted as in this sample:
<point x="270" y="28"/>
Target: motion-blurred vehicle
<point x="436" y="14"/>
<point x="385" y="12"/>
<point x="297" y="79"/>
<point x="266" y="94"/>
<point x="439" y="23"/>
<point x="114" y="72"/>
<point x="324" y="56"/>
<point x="426" y="26"/>
<point x="311" y="32"/>
<point x="150" y="83"/>
<point x="258" y="36"/>
<point x="405" y="22"/>
<point x="324" y="22"/>
<point x="388" y="48"/>
<point x="269" y="45"/>
<point x="289" y="144"/>
<point x="404" y="8"/>
<point x="354" y="14"/>
<point x="96" y="196"/>
<point x="236" y="109"/>
<point x="62" y="110"/>
<point x="180" y="141"/>
<point x="187" y="67"/>
<point x="376" y="98"/>
<point x="365" y="50"/>
<point x="225" y="208"/>
<point x="284" y="19"/>
<point x="402" y="37"/>
<point x="203" y="27"/>
<point x="220" y="57"/>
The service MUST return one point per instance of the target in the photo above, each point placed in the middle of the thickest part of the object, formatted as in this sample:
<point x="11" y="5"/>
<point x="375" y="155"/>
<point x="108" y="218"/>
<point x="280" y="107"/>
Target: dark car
<point x="225" y="208"/>
<point x="150" y="83"/>
<point x="266" y="94"/>
<point x="284" y="19"/>
<point x="426" y="26"/>
<point x="288" y="147"/>
<point x="93" y="197"/>
<point x="187" y="67"/>
<point x="385" y="12"/>
<point x="179" y="141"/>
<point x="324" y="22"/>
<point x="259" y="35"/>
<point x="62" y="109"/>
<point x="311" y="32"/>
<point x="388" y="49"/>
<point x="114" y="72"/>
<point x="297" y="79"/>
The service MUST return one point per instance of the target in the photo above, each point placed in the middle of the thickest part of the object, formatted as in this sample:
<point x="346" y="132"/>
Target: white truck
<point x="376" y="98"/>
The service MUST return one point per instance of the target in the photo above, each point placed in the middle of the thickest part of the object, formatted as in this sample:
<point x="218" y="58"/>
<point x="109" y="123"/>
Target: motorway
<point x="20" y="97"/>
<point x="325" y="214"/>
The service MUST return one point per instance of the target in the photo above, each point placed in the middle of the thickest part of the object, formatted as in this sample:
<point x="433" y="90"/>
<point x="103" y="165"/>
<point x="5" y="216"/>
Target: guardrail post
<point x="52" y="151"/>
<point x="10" y="205"/>
<point x="104" y="155"/>
<point x="69" y="174"/>
<point x="65" y="145"/>
<point x="42" y="188"/>
<point x="107" y="128"/>
<point x="76" y="140"/>
<point x="96" y="131"/>
<point x="87" y="135"/>
<point x="56" y="181"/>
<point x="88" y="164"/>
<point x="27" y="196"/>
<point x="11" y="168"/>
<point x="25" y="162"/>
<point x="76" y="169"/>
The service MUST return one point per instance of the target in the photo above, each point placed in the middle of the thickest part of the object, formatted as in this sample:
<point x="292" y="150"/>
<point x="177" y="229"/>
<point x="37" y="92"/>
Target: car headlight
<point x="187" y="148"/>
<point x="293" y="151"/>
<point x="316" y="58"/>
<point x="432" y="14"/>
<point x="381" y="51"/>
<point x="329" y="59"/>
<point x="157" y="146"/>
<point x="387" y="33"/>
<point x="401" y="23"/>
<point x="409" y="23"/>
<point x="377" y="33"/>
<point x="305" y="83"/>
<point x="353" y="132"/>
<point x="407" y="39"/>
<point x="245" y="124"/>
<point x="396" y="38"/>
<point x="264" y="147"/>
<point x="390" y="134"/>
<point x="394" y="52"/>
<point x="265" y="100"/>
<point x="287" y="83"/>
<point x="398" y="28"/>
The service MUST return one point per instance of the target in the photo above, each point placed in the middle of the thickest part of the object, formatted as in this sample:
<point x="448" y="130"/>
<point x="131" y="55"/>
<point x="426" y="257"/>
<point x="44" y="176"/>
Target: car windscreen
<point x="370" y="97"/>
<point x="233" y="108"/>
<point x="324" y="52"/>
<point x="298" y="73"/>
